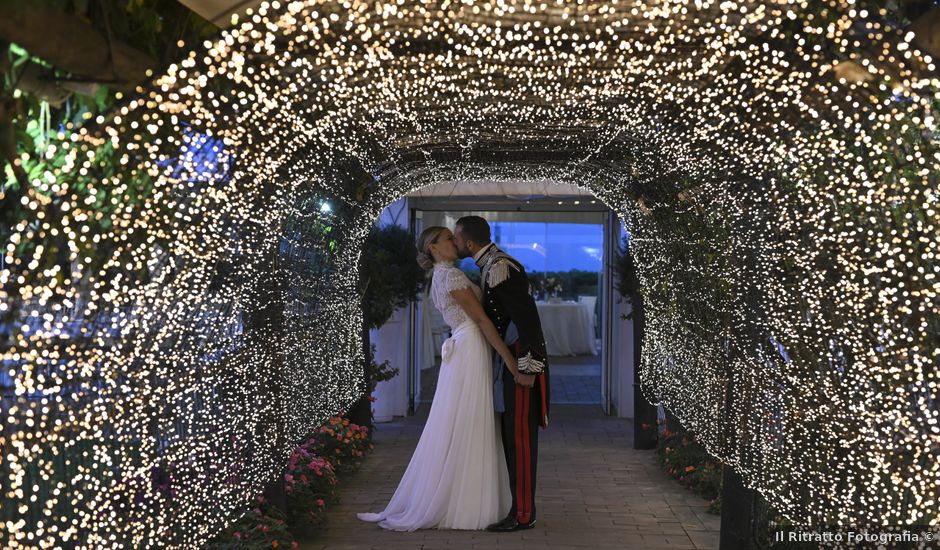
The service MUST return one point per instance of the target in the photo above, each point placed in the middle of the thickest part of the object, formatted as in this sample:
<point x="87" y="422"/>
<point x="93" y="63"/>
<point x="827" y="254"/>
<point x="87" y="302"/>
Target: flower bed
<point x="263" y="526"/>
<point x="686" y="460"/>
<point x="342" y="443"/>
<point x="311" y="486"/>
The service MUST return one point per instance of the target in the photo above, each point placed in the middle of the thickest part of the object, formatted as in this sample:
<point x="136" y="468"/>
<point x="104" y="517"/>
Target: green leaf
<point x="102" y="98"/>
<point x="11" y="182"/>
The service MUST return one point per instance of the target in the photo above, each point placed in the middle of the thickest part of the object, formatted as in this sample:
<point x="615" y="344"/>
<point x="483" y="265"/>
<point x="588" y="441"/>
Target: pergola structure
<point x="775" y="161"/>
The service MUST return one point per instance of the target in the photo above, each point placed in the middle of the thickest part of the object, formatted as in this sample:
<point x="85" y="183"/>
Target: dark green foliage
<point x="310" y="486"/>
<point x="628" y="285"/>
<point x="160" y="28"/>
<point x="341" y="442"/>
<point x="379" y="372"/>
<point x="264" y="526"/>
<point x="390" y="277"/>
<point x="685" y="459"/>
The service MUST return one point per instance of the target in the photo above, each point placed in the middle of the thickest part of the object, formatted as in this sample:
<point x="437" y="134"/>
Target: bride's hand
<point x="526" y="380"/>
<point x="513" y="367"/>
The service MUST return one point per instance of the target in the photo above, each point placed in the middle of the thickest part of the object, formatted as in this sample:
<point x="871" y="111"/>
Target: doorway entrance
<point x="566" y="245"/>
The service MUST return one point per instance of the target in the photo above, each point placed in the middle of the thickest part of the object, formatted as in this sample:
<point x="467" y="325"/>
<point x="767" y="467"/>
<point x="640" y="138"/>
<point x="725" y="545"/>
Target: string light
<point x="183" y="286"/>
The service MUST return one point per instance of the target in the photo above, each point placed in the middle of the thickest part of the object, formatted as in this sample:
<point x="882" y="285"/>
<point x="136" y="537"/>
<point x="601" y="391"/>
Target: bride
<point x="457" y="477"/>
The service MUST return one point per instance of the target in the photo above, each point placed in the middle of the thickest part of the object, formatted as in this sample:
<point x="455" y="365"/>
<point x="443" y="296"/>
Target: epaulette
<point x="496" y="269"/>
<point x="499" y="271"/>
<point x="495" y="266"/>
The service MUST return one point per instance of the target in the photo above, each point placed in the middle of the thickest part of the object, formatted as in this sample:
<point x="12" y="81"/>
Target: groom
<point x="509" y="305"/>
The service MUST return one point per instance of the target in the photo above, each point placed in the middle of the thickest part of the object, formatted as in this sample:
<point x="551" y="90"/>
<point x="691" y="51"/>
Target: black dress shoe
<point x="510" y="524"/>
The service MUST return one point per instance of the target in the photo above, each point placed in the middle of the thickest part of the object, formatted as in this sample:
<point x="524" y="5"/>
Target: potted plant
<point x="389" y="278"/>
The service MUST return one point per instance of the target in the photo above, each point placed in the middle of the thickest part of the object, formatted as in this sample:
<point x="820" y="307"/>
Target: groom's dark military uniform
<point x="506" y="300"/>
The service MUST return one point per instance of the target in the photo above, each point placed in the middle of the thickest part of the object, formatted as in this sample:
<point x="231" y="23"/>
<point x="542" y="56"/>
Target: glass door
<point x="568" y="253"/>
<point x="418" y="349"/>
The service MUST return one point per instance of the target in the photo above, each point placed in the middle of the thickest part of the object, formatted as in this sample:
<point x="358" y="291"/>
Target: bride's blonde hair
<point x="428" y="237"/>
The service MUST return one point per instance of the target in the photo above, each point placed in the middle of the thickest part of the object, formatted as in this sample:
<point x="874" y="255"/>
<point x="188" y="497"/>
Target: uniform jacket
<point x="507" y="301"/>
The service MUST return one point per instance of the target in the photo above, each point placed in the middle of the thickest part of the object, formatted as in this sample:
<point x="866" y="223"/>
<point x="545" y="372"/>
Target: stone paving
<point x="594" y="491"/>
<point x="575" y="380"/>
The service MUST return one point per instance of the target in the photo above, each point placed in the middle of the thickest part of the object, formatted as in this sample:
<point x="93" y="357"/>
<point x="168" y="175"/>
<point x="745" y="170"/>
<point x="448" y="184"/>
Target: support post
<point x="737" y="512"/>
<point x="360" y="412"/>
<point x="644" y="414"/>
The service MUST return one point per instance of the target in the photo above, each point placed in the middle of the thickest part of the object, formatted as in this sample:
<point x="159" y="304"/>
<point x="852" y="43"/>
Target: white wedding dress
<point x="457" y="477"/>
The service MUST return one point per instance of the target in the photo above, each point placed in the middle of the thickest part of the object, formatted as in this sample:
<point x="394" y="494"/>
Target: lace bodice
<point x="447" y="278"/>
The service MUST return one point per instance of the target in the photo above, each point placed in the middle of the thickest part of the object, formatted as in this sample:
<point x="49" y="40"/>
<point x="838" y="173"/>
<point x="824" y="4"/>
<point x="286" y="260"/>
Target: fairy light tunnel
<point x="181" y="318"/>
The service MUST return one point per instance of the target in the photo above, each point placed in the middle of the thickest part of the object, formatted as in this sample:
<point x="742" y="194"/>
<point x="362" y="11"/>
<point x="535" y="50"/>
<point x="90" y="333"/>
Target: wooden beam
<point x="927" y="32"/>
<point x="220" y="12"/>
<point x="72" y="45"/>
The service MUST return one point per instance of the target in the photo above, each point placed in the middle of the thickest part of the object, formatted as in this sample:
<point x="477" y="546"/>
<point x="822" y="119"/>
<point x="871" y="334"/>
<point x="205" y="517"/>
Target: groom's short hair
<point x="476" y="229"/>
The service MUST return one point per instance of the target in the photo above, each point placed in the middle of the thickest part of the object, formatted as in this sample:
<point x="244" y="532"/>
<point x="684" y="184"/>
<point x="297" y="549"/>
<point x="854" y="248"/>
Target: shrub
<point x="263" y="527"/>
<point x="310" y="484"/>
<point x="342" y="443"/>
<point x="685" y="459"/>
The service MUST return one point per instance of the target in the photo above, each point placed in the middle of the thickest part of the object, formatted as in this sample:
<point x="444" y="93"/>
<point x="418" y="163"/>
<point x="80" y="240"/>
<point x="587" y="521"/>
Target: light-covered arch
<point x="776" y="164"/>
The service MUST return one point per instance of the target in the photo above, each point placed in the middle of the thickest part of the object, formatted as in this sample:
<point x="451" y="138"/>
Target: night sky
<point x="550" y="246"/>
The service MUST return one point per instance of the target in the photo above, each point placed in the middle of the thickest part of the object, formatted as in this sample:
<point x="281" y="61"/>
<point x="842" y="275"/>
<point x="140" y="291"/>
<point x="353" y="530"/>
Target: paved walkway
<point x="576" y="380"/>
<point x="594" y="491"/>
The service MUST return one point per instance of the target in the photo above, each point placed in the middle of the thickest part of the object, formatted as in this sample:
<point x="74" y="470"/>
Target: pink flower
<point x="320" y="503"/>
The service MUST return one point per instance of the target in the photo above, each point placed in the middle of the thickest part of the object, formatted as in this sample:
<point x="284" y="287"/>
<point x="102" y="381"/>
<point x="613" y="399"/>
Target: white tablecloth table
<point x="568" y="328"/>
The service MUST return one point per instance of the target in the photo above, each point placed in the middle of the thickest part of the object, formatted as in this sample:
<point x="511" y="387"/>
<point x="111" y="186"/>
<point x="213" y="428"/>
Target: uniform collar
<point x="482" y="252"/>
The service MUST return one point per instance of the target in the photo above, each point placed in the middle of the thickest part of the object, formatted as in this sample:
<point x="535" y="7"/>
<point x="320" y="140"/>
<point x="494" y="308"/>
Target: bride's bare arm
<point x="472" y="307"/>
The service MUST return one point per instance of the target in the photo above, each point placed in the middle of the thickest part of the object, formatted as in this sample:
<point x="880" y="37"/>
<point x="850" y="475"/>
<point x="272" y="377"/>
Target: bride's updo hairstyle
<point x="428" y="237"/>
